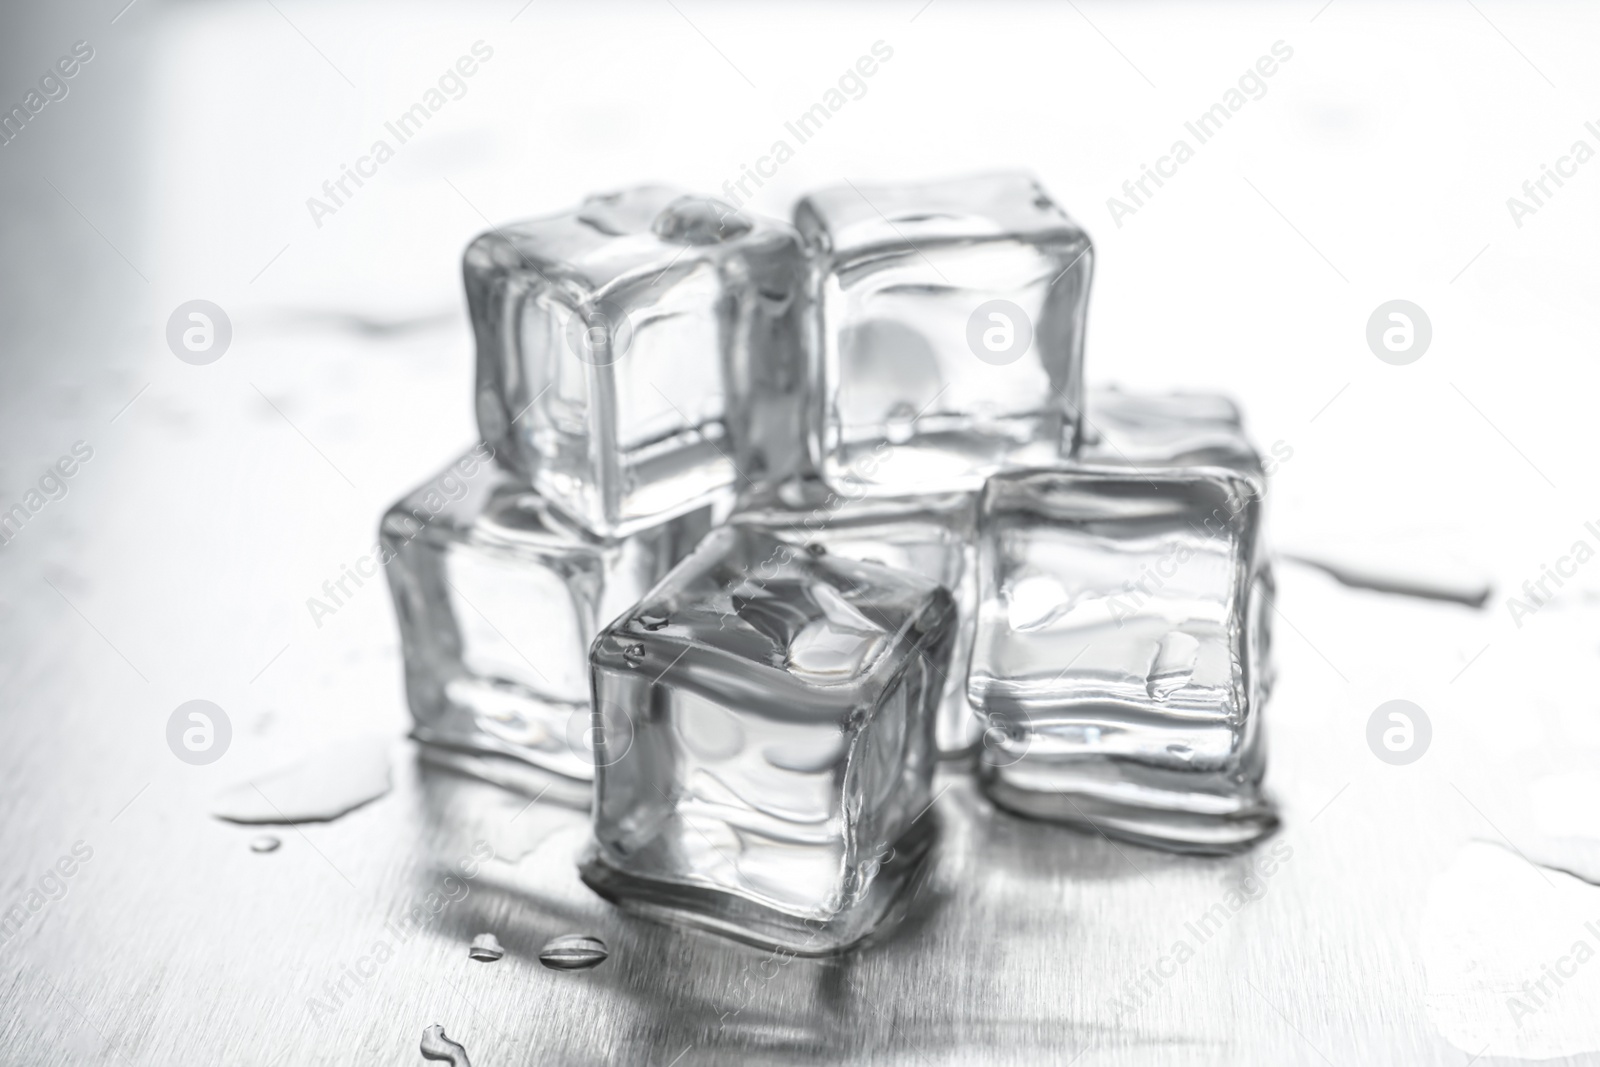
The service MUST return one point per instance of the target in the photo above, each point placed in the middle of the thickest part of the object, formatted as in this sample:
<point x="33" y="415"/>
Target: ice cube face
<point x="640" y="354"/>
<point x="947" y="325"/>
<point x="934" y="536"/>
<point x="1154" y="430"/>
<point x="765" y="742"/>
<point x="498" y="598"/>
<point x="1121" y="652"/>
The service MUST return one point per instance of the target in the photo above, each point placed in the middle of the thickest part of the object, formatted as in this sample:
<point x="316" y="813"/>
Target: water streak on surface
<point x="1365" y="577"/>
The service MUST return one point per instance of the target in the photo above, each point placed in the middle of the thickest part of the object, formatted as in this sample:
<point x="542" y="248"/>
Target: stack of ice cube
<point x="767" y="521"/>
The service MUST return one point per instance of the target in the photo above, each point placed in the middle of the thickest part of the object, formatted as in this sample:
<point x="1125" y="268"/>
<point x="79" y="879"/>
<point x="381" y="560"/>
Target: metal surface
<point x="1399" y="917"/>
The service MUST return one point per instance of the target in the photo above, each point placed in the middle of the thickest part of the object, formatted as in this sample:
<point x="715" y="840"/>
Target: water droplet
<point x="573" y="952"/>
<point x="633" y="653"/>
<point x="699" y="220"/>
<point x="653" y="622"/>
<point x="436" y="1046"/>
<point x="265" y="843"/>
<point x="485" y="948"/>
<point x="816" y="548"/>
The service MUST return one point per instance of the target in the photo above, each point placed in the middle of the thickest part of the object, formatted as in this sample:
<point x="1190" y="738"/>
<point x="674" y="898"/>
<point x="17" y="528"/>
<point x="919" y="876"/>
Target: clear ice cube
<point x="498" y="598"/>
<point x="1154" y="430"/>
<point x="1121" y="652"/>
<point x="948" y="324"/>
<point x="765" y="742"/>
<point x="933" y="536"/>
<point x="639" y="354"/>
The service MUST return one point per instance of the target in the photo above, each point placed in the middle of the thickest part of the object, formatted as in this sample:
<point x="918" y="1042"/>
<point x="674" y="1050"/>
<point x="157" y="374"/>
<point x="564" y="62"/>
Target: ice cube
<point x="933" y="536"/>
<point x="1121" y="652"/>
<point x="948" y="324"/>
<point x="498" y="598"/>
<point x="639" y="354"/>
<point x="1155" y="430"/>
<point x="765" y="742"/>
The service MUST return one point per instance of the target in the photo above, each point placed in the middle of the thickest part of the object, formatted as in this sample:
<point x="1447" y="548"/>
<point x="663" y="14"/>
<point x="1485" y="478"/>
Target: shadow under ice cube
<point x="639" y="354"/>
<point x="1121" y="652"/>
<point x="765" y="743"/>
<point x="948" y="323"/>
<point x="498" y="598"/>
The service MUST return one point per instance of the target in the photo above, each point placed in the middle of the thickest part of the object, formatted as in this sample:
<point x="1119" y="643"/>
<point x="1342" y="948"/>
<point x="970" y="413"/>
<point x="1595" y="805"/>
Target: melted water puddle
<point x="1511" y="951"/>
<point x="319" y="788"/>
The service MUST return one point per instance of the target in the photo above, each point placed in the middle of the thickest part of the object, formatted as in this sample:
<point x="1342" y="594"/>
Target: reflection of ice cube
<point x="1121" y="650"/>
<point x="639" y="354"/>
<point x="949" y="324"/>
<point x="932" y="536"/>
<point x="498" y="599"/>
<point x="765" y="758"/>
<point x="1155" y="430"/>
